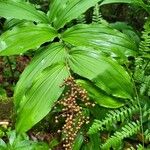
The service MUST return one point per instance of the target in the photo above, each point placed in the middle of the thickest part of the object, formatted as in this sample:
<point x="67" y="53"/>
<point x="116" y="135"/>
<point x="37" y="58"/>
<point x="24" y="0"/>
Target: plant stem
<point x="140" y="108"/>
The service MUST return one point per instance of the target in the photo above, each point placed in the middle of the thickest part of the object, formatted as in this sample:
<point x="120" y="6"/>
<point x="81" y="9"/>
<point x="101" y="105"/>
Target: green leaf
<point x="101" y="37"/>
<point x="21" y="39"/>
<point x="42" y="95"/>
<point x="78" y="142"/>
<point x="46" y="57"/>
<point x="21" y="10"/>
<point x="105" y="72"/>
<point x="99" y="96"/>
<point x="10" y="23"/>
<point x="61" y="13"/>
<point x="126" y="29"/>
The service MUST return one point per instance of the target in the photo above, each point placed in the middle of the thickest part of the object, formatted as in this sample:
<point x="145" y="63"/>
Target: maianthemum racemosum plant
<point x="91" y="51"/>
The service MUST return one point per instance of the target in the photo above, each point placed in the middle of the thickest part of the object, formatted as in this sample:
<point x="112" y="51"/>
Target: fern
<point x="127" y="131"/>
<point x="97" y="16"/>
<point x="146" y="112"/>
<point x="139" y="147"/>
<point x="147" y="135"/>
<point x="81" y="19"/>
<point x="113" y="117"/>
<point x="145" y="87"/>
<point x="145" y="43"/>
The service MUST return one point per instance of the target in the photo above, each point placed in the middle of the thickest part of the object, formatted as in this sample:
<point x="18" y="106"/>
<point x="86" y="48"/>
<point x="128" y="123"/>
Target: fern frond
<point x="96" y="14"/>
<point x="145" y="43"/>
<point x="113" y="117"/>
<point x="145" y="87"/>
<point x="146" y="112"/>
<point x="81" y="19"/>
<point x="147" y="135"/>
<point x="139" y="147"/>
<point x="127" y="131"/>
<point x="131" y="148"/>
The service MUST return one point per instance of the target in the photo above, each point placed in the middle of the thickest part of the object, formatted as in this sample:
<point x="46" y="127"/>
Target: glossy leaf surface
<point x="21" y="39"/>
<point x="46" y="57"/>
<point x="61" y="13"/>
<point x="100" y="97"/>
<point x="21" y="10"/>
<point x="106" y="73"/>
<point x="40" y="98"/>
<point x="101" y="37"/>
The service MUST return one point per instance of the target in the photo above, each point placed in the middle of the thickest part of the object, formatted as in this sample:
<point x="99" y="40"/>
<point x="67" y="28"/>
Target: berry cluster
<point x="72" y="111"/>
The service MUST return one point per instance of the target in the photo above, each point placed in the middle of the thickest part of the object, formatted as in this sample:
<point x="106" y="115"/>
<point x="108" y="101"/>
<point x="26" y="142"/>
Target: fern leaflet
<point x="126" y="131"/>
<point x="113" y="117"/>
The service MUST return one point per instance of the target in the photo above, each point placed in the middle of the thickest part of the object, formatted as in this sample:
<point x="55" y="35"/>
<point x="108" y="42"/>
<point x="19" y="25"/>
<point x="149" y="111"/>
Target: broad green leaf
<point x="99" y="96"/>
<point x="40" y="98"/>
<point x="126" y="29"/>
<point x="10" y="23"/>
<point x="46" y="57"/>
<point x="19" y="40"/>
<point x="61" y="13"/>
<point x="105" y="72"/>
<point x="101" y="37"/>
<point x="21" y="10"/>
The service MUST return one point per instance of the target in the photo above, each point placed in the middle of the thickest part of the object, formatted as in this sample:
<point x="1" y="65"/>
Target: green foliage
<point x="139" y="3"/>
<point x="128" y="130"/>
<point x="147" y="135"/>
<point x="21" y="10"/>
<point x="45" y="58"/>
<point x="91" y="52"/>
<point x="99" y="96"/>
<point x="21" y="39"/>
<point x="96" y="18"/>
<point x="41" y="96"/>
<point x="122" y="115"/>
<point x="21" y="142"/>
<point x="78" y="142"/>
<point x="142" y="70"/>
<point x="101" y="37"/>
<point x="112" y="117"/>
<point x="145" y="43"/>
<point x="90" y="69"/>
<point x="3" y="94"/>
<point x="126" y="29"/>
<point x="38" y="87"/>
<point x="60" y="14"/>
